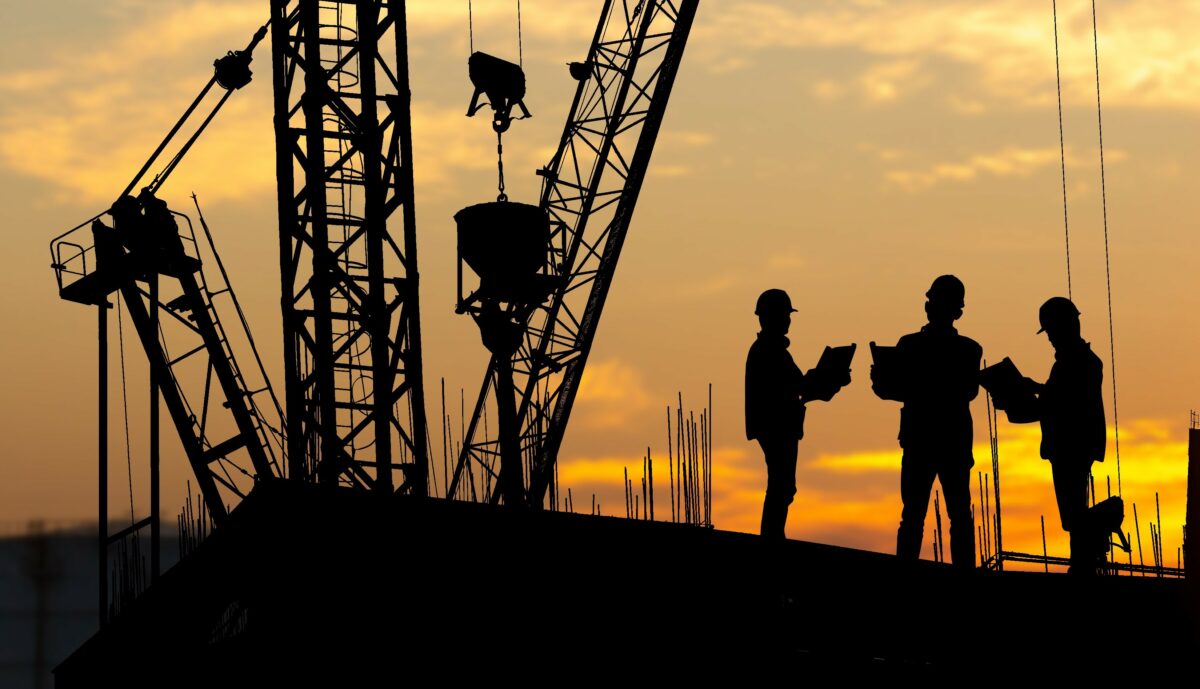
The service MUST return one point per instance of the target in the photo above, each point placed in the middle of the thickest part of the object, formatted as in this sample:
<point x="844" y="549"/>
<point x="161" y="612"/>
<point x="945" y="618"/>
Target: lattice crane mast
<point x="351" y="322"/>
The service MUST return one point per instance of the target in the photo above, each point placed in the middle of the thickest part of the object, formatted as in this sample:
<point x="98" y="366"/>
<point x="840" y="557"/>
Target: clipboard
<point x="837" y="359"/>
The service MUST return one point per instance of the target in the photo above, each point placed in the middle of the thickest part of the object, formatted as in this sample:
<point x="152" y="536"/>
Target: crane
<point x="351" y="320"/>
<point x="150" y="256"/>
<point x="589" y="191"/>
<point x="354" y="390"/>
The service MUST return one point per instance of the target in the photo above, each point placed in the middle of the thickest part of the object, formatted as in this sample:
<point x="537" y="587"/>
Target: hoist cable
<point x="1112" y="347"/>
<point x="1062" y="149"/>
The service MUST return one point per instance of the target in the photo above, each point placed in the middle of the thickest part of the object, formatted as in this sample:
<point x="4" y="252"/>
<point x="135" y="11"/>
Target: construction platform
<point x="309" y="582"/>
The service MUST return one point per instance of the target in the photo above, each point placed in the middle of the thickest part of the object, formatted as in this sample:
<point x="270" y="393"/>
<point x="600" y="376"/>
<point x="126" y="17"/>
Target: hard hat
<point x="948" y="290"/>
<point x="1056" y="310"/>
<point x="773" y="301"/>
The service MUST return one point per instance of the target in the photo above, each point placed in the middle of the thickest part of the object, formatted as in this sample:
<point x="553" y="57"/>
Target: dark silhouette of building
<point x="776" y="392"/>
<point x="935" y="374"/>
<point x="585" y="596"/>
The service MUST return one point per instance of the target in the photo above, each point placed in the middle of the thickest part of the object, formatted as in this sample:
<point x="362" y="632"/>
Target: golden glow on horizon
<point x="1151" y="460"/>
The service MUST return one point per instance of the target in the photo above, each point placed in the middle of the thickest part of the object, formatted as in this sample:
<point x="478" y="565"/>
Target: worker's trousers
<point x="917" y="472"/>
<point x="1071" y="489"/>
<point x="780" y="454"/>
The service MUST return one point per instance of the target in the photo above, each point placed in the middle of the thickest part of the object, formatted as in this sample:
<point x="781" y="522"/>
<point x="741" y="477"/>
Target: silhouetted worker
<point x="1071" y="411"/>
<point x="776" y="392"/>
<point x="109" y="251"/>
<point x="161" y="230"/>
<point x="937" y="380"/>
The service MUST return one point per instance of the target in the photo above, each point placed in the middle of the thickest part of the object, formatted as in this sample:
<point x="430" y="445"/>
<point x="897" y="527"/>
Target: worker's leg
<point x="956" y="487"/>
<point x="780" y="454"/>
<point x="1071" y="493"/>
<point x="916" y="479"/>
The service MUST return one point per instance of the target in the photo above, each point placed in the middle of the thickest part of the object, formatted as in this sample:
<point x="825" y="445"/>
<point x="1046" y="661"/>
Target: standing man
<point x="1071" y="411"/>
<point x="937" y="378"/>
<point x="776" y="392"/>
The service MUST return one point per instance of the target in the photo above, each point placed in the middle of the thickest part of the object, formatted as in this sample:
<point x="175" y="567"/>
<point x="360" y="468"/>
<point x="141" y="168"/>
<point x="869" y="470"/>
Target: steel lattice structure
<point x="229" y="436"/>
<point x="352" y="346"/>
<point x="589" y="190"/>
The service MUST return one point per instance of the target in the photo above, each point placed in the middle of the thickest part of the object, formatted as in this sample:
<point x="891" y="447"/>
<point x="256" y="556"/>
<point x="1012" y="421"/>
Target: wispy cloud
<point x="1008" y="162"/>
<point x="86" y="121"/>
<point x="887" y="81"/>
<point x="1148" y="54"/>
<point x="686" y="139"/>
<point x="611" y="395"/>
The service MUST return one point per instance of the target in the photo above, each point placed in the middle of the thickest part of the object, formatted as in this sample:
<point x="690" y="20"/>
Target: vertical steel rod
<point x="102" y="456"/>
<point x="155" y="526"/>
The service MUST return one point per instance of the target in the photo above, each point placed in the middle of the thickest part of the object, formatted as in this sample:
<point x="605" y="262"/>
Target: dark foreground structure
<point x="307" y="582"/>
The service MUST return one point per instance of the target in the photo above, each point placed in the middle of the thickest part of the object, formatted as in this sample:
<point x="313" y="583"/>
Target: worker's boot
<point x="908" y="542"/>
<point x="1084" y="560"/>
<point x="774" y="519"/>
<point x="962" y="545"/>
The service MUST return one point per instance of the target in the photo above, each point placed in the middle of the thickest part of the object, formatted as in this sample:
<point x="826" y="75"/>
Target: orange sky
<point x="846" y="151"/>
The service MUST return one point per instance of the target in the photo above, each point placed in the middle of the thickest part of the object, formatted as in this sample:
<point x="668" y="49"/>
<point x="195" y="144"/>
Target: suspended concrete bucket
<point x="505" y="244"/>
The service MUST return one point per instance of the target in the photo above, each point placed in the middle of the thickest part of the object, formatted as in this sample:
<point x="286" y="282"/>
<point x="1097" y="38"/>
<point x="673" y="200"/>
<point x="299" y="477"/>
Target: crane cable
<point x="125" y="407"/>
<point x="1104" y="210"/>
<point x="471" y="33"/>
<point x="1062" y="150"/>
<point x="1107" y="264"/>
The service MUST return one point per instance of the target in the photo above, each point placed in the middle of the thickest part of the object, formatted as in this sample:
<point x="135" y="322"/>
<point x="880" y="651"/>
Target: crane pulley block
<point x="503" y="83"/>
<point x="232" y="71"/>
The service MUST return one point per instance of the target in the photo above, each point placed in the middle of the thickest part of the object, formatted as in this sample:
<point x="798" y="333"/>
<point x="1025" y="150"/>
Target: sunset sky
<point x="847" y="151"/>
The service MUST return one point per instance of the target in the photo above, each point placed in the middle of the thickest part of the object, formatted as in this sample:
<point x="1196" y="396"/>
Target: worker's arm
<point x="822" y="385"/>
<point x="968" y="385"/>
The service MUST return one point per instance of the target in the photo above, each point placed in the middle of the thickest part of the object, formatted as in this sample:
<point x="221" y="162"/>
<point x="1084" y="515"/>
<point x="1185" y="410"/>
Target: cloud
<point x="1148" y="54"/>
<point x="86" y="121"/>
<point x="827" y="90"/>
<point x="612" y="394"/>
<point x="668" y="170"/>
<point x="965" y="106"/>
<point x="686" y="139"/>
<point x="1007" y="162"/>
<point x="884" y="82"/>
<point x="882" y="153"/>
<point x="786" y="262"/>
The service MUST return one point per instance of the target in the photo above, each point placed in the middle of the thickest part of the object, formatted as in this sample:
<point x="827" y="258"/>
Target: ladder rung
<point x="354" y="405"/>
<point x="345" y="43"/>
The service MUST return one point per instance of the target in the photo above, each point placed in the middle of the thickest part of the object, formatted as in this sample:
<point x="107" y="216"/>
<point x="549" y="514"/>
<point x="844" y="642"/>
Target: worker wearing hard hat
<point x="936" y="377"/>
<point x="776" y="394"/>
<point x="1070" y="408"/>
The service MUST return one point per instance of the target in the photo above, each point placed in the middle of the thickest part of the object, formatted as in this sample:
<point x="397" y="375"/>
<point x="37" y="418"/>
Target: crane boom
<point x="590" y="189"/>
